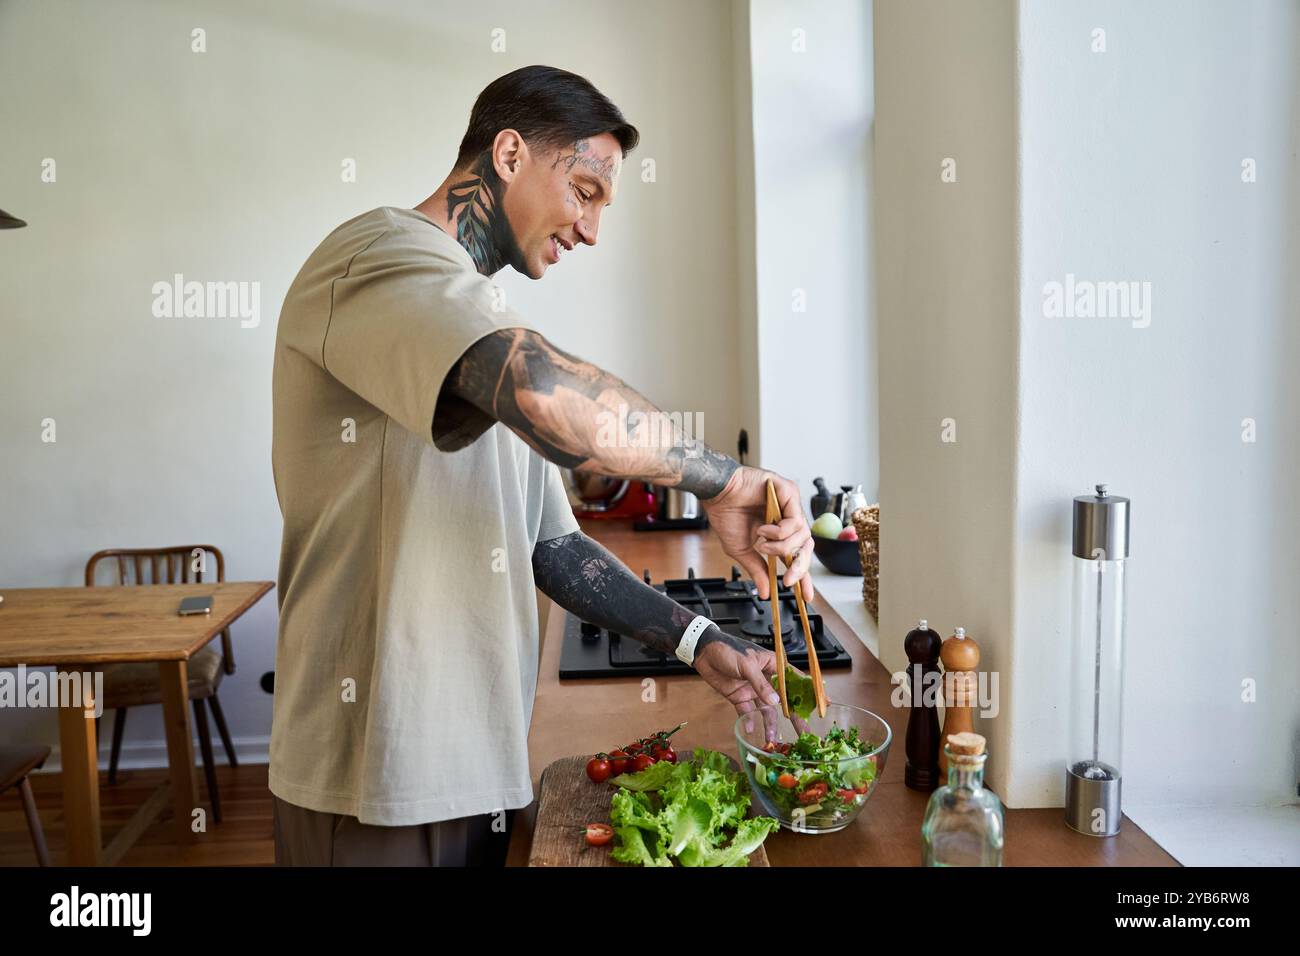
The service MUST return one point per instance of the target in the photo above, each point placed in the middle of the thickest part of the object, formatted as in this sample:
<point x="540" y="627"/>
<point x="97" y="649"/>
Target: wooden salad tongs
<point x="814" y="666"/>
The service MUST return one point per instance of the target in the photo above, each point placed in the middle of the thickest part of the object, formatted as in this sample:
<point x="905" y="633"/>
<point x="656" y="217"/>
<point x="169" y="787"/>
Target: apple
<point x="827" y="526"/>
<point x="849" y="534"/>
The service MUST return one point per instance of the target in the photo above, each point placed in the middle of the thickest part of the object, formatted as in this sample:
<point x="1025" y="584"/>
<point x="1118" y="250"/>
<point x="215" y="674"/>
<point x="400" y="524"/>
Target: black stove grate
<point x="733" y="605"/>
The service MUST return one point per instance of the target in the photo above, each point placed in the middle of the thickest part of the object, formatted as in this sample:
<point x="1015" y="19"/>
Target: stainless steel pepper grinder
<point x="1092" y="774"/>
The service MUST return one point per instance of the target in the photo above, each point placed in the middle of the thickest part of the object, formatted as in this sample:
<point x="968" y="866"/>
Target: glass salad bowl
<point x="822" y="781"/>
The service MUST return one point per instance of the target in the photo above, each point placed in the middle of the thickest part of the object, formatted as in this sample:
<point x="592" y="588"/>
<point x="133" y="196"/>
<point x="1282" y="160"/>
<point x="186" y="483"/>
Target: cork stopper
<point x="965" y="744"/>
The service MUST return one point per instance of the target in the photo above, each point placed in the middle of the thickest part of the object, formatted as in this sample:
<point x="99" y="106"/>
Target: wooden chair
<point x="15" y="764"/>
<point x="137" y="685"/>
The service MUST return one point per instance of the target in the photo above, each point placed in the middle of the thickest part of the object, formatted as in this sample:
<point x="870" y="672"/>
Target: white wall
<point x="812" y="116"/>
<point x="1132" y="169"/>
<point x="1111" y="166"/>
<point x="226" y="166"/>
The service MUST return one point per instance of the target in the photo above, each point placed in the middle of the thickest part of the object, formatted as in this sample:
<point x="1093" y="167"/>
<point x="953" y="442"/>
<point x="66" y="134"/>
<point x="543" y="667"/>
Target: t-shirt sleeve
<point x="557" y="512"/>
<point x="400" y="318"/>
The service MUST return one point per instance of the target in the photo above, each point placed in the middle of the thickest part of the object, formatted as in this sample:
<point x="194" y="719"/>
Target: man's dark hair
<point x="548" y="107"/>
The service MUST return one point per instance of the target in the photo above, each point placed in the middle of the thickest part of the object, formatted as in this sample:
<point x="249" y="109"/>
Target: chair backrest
<point x="182" y="564"/>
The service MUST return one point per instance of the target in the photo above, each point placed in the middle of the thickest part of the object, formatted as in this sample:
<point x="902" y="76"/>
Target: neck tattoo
<point x="475" y="205"/>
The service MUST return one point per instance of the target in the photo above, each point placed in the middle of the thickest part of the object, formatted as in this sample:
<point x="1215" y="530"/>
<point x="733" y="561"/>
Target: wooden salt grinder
<point x="961" y="657"/>
<point x="922" y="648"/>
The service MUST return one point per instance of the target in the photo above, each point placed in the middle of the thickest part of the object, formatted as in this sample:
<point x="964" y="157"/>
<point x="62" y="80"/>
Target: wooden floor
<point x="243" y="838"/>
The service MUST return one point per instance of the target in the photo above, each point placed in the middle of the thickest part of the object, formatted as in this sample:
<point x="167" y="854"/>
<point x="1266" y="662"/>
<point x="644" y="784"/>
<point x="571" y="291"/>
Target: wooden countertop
<point x="585" y="716"/>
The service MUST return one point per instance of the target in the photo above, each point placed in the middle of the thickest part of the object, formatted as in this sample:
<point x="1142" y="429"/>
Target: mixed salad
<point x="690" y="813"/>
<point x="816" y="780"/>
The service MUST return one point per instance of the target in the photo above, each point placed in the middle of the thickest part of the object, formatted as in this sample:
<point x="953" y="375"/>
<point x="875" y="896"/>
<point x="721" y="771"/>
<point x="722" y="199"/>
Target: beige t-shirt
<point x="407" y="657"/>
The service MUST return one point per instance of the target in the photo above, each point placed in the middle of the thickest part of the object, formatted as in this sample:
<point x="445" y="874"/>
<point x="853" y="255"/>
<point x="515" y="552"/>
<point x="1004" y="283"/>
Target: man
<point x="417" y="429"/>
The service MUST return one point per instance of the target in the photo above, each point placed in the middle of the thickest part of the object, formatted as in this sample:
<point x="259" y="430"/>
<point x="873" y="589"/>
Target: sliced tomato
<point x="847" y="795"/>
<point x="787" y="780"/>
<point x="814" y="793"/>
<point x="598" y="834"/>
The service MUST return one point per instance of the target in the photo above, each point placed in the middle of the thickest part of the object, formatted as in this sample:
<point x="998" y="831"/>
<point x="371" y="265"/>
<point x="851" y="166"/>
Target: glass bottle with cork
<point x="963" y="822"/>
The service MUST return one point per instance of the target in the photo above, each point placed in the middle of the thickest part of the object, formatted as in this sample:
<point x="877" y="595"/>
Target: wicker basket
<point x="867" y="523"/>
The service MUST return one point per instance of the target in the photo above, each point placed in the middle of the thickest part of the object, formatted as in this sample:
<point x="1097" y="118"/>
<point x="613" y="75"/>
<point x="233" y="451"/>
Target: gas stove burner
<point x="763" y="628"/>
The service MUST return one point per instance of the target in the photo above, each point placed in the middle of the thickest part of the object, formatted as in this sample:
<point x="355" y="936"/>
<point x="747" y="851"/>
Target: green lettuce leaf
<point x="749" y="837"/>
<point x="628" y="809"/>
<point x="653" y="777"/>
<point x="689" y="816"/>
<point x="633" y="848"/>
<point x="711" y="760"/>
<point x="798" y="691"/>
<point x="692" y="822"/>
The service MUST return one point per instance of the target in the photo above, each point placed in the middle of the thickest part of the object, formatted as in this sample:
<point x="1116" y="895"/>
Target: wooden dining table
<point x="76" y="628"/>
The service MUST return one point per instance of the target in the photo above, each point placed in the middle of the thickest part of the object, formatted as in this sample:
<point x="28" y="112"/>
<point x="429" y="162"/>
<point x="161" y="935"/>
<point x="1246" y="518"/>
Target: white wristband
<point x="686" y="647"/>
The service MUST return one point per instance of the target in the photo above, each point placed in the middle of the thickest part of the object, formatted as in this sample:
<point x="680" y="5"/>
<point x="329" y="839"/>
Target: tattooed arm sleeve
<point x="582" y="577"/>
<point x="580" y="416"/>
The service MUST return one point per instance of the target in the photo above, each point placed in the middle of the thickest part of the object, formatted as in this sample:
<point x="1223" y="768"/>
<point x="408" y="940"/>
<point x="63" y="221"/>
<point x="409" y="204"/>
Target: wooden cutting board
<point x="570" y="801"/>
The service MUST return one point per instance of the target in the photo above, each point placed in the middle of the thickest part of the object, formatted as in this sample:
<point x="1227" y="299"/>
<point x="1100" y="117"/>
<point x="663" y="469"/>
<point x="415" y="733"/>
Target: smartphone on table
<point x="196" y="605"/>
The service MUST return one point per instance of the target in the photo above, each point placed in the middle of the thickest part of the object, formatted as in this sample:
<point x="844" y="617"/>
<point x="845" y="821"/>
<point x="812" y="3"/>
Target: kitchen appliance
<point x="675" y="510"/>
<point x="734" y="605"/>
<point x="849" y="500"/>
<point x="678" y="504"/>
<point x="599" y="496"/>
<point x="1092" y="770"/>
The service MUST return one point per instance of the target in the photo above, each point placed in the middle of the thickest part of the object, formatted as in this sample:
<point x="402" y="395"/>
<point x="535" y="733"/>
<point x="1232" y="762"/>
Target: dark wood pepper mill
<point x="922" y="646"/>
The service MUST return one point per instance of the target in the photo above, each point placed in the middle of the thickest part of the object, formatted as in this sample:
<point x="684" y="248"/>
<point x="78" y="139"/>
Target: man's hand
<point x="739" y="671"/>
<point x="737" y="515"/>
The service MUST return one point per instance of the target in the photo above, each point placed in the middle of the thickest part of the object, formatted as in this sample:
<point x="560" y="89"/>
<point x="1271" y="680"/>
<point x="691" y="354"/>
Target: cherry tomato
<point x="634" y="749"/>
<point x="598" y="834"/>
<point x="618" y="762"/>
<point x="847" y="796"/>
<point x="787" y="780"/>
<point x="598" y="769"/>
<point x="642" y="761"/>
<point x="861" y="786"/>
<point x="770" y="747"/>
<point x="660" y="750"/>
<point x="814" y="793"/>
